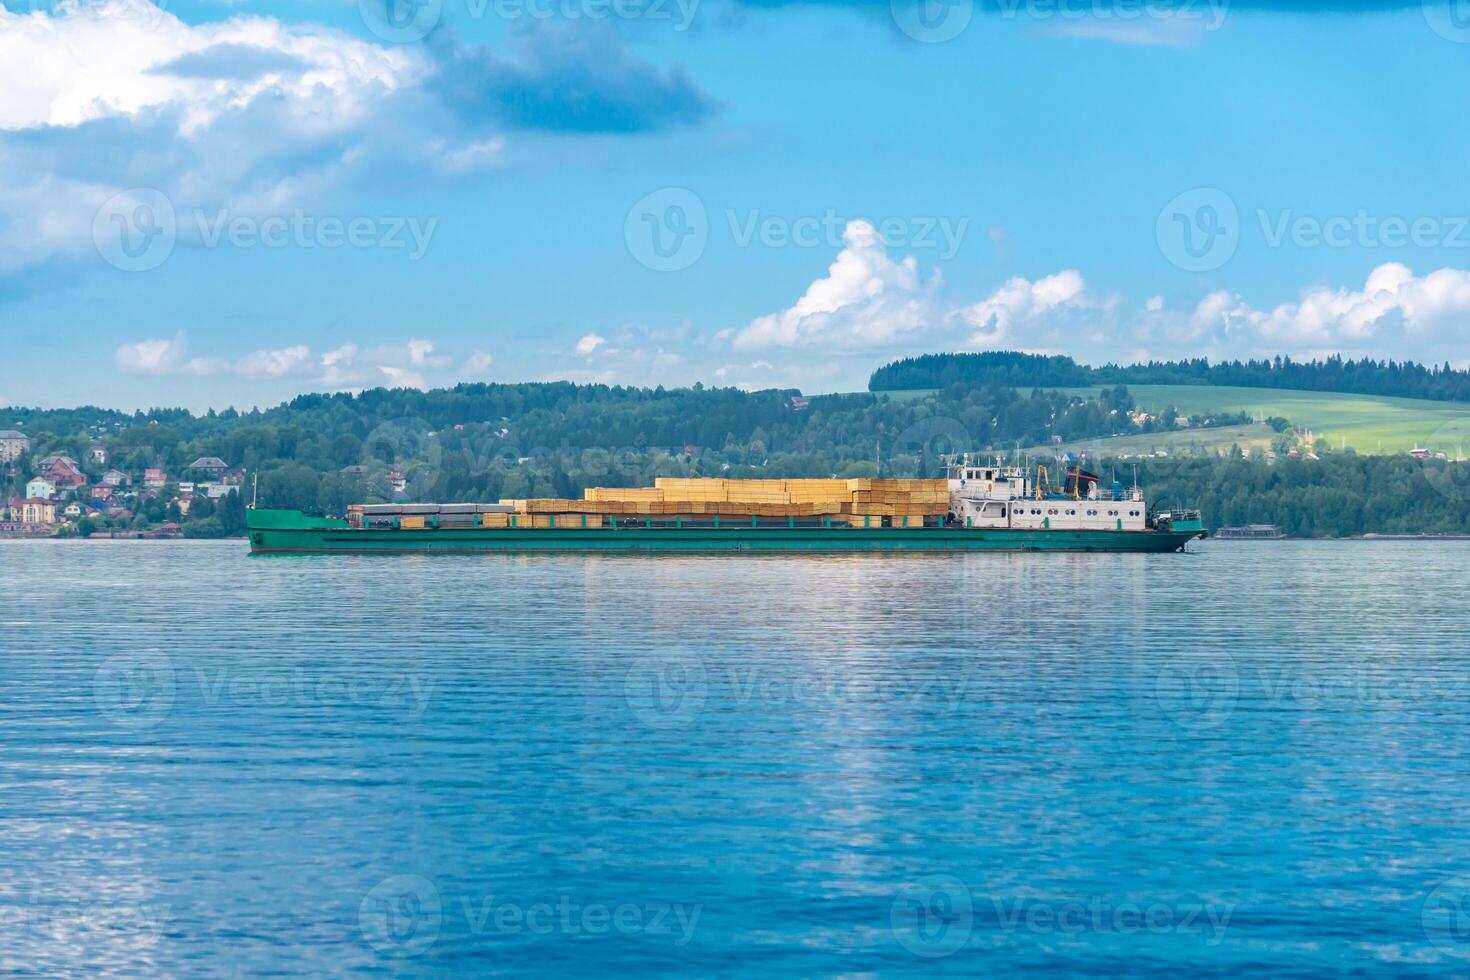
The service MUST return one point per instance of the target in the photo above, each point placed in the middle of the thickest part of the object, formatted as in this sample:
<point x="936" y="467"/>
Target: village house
<point x="72" y="511"/>
<point x="41" y="488"/>
<point x="63" y="471"/>
<point x="35" y="511"/>
<point x="211" y="466"/>
<point x="13" y="445"/>
<point x="98" y="452"/>
<point x="116" y="478"/>
<point x="155" y="478"/>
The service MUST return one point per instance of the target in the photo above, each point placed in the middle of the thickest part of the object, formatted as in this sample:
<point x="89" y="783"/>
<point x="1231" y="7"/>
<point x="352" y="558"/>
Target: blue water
<point x="1252" y="757"/>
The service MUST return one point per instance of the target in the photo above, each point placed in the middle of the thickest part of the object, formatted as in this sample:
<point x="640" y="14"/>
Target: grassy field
<point x="1191" y="441"/>
<point x="1367" y="423"/>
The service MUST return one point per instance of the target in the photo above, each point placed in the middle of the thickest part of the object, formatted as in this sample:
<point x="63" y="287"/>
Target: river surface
<point x="1250" y="758"/>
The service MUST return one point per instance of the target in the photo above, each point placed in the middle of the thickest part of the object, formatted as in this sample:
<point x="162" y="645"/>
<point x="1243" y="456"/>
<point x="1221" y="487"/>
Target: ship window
<point x="1051" y="512"/>
<point x="1002" y="512"/>
<point x="1112" y="513"/>
<point x="1092" y="513"/>
<point x="1070" y="512"/>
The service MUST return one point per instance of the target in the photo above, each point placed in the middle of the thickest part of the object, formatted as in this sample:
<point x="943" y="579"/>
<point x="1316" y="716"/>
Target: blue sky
<point x="208" y="203"/>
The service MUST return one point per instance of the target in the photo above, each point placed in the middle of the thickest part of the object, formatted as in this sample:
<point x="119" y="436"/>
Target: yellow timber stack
<point x="860" y="503"/>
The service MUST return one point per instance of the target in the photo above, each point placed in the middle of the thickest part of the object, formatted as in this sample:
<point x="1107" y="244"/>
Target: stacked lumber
<point x="742" y="500"/>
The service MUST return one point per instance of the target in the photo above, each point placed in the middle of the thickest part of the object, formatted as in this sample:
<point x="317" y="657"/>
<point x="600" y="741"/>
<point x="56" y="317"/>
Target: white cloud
<point x="105" y="58"/>
<point x="401" y="377"/>
<point x="244" y="113"/>
<point x="150" y="356"/>
<point x="590" y="343"/>
<point x="867" y="299"/>
<point x="275" y="363"/>
<point x="1395" y="314"/>
<point x="417" y="352"/>
<point x="476" y="364"/>
<point x="337" y="367"/>
<point x="1015" y="308"/>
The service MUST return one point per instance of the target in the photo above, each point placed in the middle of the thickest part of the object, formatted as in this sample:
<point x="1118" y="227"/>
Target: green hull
<point x="289" y="532"/>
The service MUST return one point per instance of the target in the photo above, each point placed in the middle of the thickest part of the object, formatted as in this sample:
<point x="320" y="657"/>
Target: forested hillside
<point x="482" y="442"/>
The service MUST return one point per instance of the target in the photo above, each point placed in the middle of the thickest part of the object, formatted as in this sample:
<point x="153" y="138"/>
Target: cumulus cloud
<point x="141" y="59"/>
<point x="871" y="301"/>
<point x="275" y="363"/>
<point x="150" y="356"/>
<point x="867" y="299"/>
<point x="402" y="377"/>
<point x="413" y="364"/>
<point x="476" y="364"/>
<point x="259" y="116"/>
<point x="1394" y="310"/>
<point x="589" y="343"/>
<point x="1020" y="303"/>
<point x="1396" y="313"/>
<point x="338" y="370"/>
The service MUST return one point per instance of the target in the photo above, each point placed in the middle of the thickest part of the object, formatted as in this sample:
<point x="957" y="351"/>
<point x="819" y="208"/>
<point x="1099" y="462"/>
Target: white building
<point x="13" y="445"/>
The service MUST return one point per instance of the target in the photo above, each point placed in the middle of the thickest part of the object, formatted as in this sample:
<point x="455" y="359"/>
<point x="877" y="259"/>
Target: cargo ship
<point x="977" y="507"/>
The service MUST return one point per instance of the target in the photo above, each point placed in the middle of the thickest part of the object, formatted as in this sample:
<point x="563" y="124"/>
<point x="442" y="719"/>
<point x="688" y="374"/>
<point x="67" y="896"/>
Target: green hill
<point x="1366" y="423"/>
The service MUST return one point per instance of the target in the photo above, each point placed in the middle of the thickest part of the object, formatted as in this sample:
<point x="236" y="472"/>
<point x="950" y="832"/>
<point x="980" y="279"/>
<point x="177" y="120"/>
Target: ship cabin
<point x="998" y="496"/>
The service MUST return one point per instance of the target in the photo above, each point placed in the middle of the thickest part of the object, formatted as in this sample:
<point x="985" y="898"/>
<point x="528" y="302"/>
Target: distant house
<point x="72" y="510"/>
<point x="40" y="488"/>
<point x="36" y="511"/>
<point x="1419" y="453"/>
<point x="235" y="476"/>
<point x="98" y="453"/>
<point x="185" y="488"/>
<point x="354" y="472"/>
<point x="397" y="481"/>
<point x="155" y="478"/>
<point x="798" y="402"/>
<point x="212" y="466"/>
<point x="215" y="491"/>
<point x="116" y="478"/>
<point x="102" y="491"/>
<point x="13" y="445"/>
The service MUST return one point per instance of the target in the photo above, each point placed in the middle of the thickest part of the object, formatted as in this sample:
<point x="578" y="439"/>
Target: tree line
<point x="1404" y="379"/>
